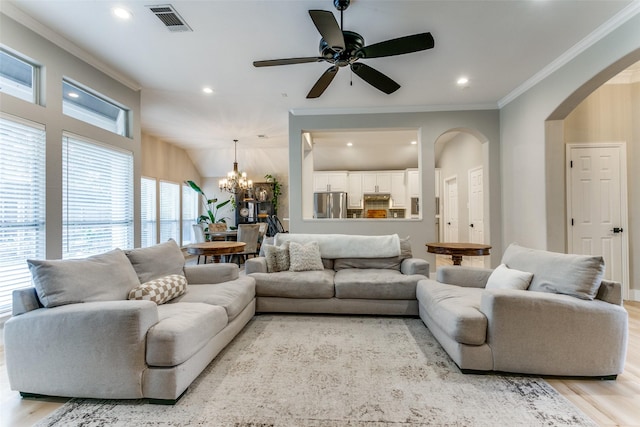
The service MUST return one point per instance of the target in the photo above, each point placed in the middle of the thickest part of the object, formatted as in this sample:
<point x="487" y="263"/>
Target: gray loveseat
<point x="77" y="335"/>
<point x="350" y="275"/>
<point x="538" y="313"/>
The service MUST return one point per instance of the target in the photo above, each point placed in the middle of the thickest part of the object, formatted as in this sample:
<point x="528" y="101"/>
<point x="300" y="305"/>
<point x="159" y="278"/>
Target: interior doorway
<point x="451" y="229"/>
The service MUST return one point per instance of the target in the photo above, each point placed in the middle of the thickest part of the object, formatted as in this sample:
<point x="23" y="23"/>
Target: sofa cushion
<point x="455" y="309"/>
<point x="575" y="275"/>
<point x="277" y="257"/>
<point x="392" y="263"/>
<point x="182" y="330"/>
<point x="305" y="257"/>
<point x="160" y="290"/>
<point x="233" y="296"/>
<point x="290" y="284"/>
<point x="375" y="284"/>
<point x="504" y="277"/>
<point x="105" y="277"/>
<point x="157" y="261"/>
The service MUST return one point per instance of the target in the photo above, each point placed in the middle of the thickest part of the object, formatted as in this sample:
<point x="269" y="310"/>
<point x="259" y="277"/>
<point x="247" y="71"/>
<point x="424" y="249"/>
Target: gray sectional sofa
<point x="351" y="275"/>
<point x="538" y="313"/>
<point x="75" y="334"/>
<point x="141" y="324"/>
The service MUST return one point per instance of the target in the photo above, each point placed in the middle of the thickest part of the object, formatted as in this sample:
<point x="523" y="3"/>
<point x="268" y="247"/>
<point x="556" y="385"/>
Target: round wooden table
<point x="215" y="249"/>
<point x="458" y="250"/>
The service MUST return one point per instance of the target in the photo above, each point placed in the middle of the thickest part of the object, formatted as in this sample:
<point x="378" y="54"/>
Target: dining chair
<point x="217" y="227"/>
<point x="249" y="234"/>
<point x="199" y="237"/>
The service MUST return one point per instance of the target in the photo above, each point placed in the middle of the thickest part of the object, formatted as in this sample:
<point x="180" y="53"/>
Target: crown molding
<point x="598" y="34"/>
<point x="390" y="109"/>
<point x="13" y="12"/>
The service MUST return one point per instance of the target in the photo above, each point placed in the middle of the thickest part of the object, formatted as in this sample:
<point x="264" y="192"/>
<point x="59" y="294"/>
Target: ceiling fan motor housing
<point x="341" y="4"/>
<point x="352" y="43"/>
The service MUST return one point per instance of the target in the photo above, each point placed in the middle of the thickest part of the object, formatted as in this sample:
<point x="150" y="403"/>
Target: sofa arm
<point x="552" y="334"/>
<point x="210" y="274"/>
<point x="470" y="277"/>
<point x="411" y="266"/>
<point x="94" y="349"/>
<point x="255" y="265"/>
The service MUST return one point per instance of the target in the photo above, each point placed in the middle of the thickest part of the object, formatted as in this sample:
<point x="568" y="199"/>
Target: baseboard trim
<point x="634" y="295"/>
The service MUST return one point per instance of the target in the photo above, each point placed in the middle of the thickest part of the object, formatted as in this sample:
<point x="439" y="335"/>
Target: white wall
<point x="533" y="166"/>
<point x="430" y="126"/>
<point x="58" y="63"/>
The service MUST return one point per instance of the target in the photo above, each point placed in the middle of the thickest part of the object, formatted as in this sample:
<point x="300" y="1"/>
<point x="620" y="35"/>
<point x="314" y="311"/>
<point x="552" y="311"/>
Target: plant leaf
<point x="223" y="204"/>
<point x="195" y="187"/>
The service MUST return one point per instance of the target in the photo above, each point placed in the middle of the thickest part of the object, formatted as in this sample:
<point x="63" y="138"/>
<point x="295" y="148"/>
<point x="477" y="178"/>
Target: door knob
<point x="471" y="225"/>
<point x="617" y="230"/>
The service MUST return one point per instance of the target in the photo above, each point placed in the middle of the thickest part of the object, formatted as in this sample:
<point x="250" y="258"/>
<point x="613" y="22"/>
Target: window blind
<point x="169" y="211"/>
<point x="97" y="199"/>
<point x="22" y="203"/>
<point x="148" y="218"/>
<point x="189" y="214"/>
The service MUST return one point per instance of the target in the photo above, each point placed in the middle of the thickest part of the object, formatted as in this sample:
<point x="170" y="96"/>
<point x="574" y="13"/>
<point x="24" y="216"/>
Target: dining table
<point x="226" y="235"/>
<point x="216" y="249"/>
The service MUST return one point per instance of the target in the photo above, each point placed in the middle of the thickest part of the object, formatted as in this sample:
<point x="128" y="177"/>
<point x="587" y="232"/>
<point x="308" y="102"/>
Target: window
<point x="94" y="109"/>
<point x="148" y="217"/>
<point x="97" y="199"/>
<point x="22" y="203"/>
<point x="18" y="77"/>
<point x="189" y="214"/>
<point x="169" y="211"/>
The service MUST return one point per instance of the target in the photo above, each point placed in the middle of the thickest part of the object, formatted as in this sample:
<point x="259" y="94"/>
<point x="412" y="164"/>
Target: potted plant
<point x="276" y="191"/>
<point x="211" y="206"/>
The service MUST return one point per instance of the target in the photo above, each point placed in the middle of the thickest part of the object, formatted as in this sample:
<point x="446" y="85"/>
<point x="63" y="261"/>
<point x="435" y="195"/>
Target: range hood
<point x="376" y="197"/>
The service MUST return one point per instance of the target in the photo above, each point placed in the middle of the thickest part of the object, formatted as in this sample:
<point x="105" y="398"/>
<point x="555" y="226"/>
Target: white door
<point x="476" y="211"/>
<point x="597" y="206"/>
<point x="451" y="210"/>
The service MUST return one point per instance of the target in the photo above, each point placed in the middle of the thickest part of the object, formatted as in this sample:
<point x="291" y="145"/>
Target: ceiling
<point x="501" y="46"/>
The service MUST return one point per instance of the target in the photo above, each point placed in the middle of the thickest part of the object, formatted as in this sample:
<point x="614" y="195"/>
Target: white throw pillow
<point x="305" y="257"/>
<point x="508" y="278"/>
<point x="160" y="290"/>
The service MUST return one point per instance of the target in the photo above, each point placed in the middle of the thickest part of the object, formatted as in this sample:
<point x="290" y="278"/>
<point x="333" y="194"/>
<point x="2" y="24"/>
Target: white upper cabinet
<point x="354" y="193"/>
<point x="376" y="182"/>
<point x="330" y="181"/>
<point x="398" y="190"/>
<point x="413" y="182"/>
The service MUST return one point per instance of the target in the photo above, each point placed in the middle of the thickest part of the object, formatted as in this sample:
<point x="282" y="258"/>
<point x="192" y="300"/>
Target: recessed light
<point x="462" y="81"/>
<point x="207" y="90"/>
<point x="73" y="95"/>
<point x="122" y="13"/>
<point x="414" y="142"/>
<point x="349" y="144"/>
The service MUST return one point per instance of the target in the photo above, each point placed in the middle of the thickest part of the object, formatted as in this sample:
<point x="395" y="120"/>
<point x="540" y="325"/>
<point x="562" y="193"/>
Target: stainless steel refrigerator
<point x="330" y="205"/>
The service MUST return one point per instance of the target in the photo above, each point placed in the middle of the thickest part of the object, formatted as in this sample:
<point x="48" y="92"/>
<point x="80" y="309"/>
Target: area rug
<point x="329" y="371"/>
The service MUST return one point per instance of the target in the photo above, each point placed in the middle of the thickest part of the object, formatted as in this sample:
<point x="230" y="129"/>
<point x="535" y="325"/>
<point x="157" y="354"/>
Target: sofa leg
<point x="167" y="401"/>
<point x="26" y="395"/>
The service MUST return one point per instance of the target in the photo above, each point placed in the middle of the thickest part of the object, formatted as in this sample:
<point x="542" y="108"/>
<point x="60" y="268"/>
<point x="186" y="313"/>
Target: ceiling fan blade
<point x="328" y="28"/>
<point x="399" y="46"/>
<point x="375" y="78"/>
<point x="323" y="82"/>
<point x="286" y="61"/>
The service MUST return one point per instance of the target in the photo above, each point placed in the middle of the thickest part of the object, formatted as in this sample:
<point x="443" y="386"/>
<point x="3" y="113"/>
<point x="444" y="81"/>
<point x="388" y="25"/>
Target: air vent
<point x="170" y="18"/>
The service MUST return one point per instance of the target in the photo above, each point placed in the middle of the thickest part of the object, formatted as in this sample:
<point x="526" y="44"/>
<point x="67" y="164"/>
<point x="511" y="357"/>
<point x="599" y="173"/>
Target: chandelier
<point x="235" y="181"/>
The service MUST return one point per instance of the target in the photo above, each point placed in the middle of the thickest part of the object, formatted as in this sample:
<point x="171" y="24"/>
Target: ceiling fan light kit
<point x="342" y="48"/>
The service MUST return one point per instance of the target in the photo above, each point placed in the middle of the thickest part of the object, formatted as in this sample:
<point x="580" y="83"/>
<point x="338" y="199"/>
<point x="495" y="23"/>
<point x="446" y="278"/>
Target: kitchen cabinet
<point x="330" y="181"/>
<point x="354" y="192"/>
<point x="376" y="182"/>
<point x="413" y="183"/>
<point x="398" y="190"/>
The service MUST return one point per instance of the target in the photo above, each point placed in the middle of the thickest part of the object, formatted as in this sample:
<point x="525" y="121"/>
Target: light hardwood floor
<point x="609" y="403"/>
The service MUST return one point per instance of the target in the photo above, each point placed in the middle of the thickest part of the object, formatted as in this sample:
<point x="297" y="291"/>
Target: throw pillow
<point x="277" y="257"/>
<point x="160" y="290"/>
<point x="508" y="278"/>
<point x="569" y="274"/>
<point x="157" y="261"/>
<point x="105" y="277"/>
<point x="305" y="257"/>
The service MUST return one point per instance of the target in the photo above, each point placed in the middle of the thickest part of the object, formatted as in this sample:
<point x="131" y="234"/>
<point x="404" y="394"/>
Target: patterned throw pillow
<point x="160" y="290"/>
<point x="277" y="257"/>
<point x="305" y="257"/>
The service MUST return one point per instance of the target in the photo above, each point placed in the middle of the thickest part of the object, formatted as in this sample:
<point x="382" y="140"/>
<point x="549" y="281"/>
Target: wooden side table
<point x="215" y="249"/>
<point x="458" y="250"/>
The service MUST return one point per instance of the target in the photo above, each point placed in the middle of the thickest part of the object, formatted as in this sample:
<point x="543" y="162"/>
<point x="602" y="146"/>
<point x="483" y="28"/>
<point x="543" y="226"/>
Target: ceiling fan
<point x="341" y="48"/>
